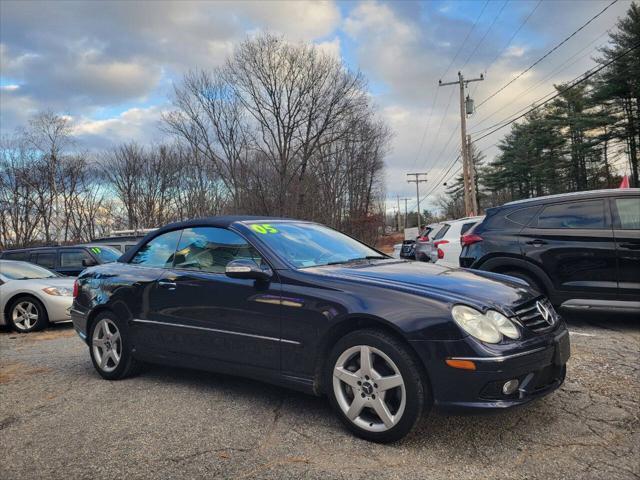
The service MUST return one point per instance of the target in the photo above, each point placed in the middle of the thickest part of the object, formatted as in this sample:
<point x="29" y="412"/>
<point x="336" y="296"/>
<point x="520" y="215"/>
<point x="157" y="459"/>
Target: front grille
<point x="532" y="315"/>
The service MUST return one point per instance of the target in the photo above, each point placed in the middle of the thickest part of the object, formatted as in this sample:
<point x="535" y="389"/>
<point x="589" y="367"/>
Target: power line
<point x="546" y="54"/>
<point x="424" y="134"/>
<point x="585" y="77"/>
<point x="514" y="34"/>
<point x="561" y="68"/>
<point x="495" y="19"/>
<point x="465" y="39"/>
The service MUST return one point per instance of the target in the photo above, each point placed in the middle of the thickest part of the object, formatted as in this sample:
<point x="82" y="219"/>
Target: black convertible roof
<point x="221" y="222"/>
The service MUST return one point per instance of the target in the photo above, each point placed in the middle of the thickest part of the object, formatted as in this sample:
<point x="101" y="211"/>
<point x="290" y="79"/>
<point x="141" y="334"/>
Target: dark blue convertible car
<point x="301" y="305"/>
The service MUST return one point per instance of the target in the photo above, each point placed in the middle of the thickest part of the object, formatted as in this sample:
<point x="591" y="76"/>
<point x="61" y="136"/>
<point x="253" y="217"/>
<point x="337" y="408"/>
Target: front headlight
<point x="503" y="324"/>
<point x="489" y="327"/>
<point x="58" y="291"/>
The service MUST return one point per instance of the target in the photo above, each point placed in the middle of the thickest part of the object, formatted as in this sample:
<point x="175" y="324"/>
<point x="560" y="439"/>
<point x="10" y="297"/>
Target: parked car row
<point x="66" y="260"/>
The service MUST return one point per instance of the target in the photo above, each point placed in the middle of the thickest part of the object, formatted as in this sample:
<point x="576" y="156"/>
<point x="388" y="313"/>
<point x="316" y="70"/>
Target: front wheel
<point x="27" y="314"/>
<point x="111" y="349"/>
<point x="375" y="386"/>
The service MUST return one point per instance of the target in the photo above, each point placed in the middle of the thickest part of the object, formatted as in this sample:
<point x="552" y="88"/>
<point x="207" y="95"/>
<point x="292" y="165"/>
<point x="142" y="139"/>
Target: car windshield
<point x="310" y="245"/>
<point x="24" y="271"/>
<point x="106" y="254"/>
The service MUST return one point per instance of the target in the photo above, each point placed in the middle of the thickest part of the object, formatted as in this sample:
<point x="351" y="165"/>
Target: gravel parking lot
<point x="59" y="419"/>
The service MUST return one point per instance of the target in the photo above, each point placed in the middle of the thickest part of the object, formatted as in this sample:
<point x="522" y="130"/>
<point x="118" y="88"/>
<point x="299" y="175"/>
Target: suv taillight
<point x="469" y="239"/>
<point x="75" y="289"/>
<point x="439" y="250"/>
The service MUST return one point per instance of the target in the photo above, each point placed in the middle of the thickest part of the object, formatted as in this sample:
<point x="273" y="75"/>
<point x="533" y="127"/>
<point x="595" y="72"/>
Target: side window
<point x="465" y="227"/>
<point x="441" y="233"/>
<point x="209" y="249"/>
<point x="628" y="213"/>
<point x="16" y="256"/>
<point x="73" y="258"/>
<point x="523" y="216"/>
<point x="586" y="214"/>
<point x="46" y="259"/>
<point x="159" y="251"/>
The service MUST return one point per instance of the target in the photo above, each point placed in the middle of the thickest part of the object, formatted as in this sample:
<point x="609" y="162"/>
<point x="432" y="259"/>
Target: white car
<point x="32" y="296"/>
<point x="447" y="242"/>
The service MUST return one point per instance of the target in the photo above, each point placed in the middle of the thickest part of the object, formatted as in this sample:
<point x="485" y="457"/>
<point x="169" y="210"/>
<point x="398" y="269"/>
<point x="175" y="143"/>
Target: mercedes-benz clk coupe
<point x="304" y="306"/>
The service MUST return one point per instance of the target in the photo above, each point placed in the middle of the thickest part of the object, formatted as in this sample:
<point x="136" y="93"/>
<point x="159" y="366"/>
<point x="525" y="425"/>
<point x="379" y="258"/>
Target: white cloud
<point x="139" y="124"/>
<point x="331" y="47"/>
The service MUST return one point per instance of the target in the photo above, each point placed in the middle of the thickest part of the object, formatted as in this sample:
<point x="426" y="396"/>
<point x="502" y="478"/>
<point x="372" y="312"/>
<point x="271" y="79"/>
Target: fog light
<point x="509" y="387"/>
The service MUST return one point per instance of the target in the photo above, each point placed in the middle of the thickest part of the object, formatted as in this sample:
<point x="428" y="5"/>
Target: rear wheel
<point x="27" y="314"/>
<point x="375" y="386"/>
<point x="111" y="349"/>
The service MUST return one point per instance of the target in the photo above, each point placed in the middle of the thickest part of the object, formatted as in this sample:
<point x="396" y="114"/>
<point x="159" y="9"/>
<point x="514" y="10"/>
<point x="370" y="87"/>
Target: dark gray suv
<point x="581" y="249"/>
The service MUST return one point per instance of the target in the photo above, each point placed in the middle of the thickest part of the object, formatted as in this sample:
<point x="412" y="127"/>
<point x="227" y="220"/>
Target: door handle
<point x="630" y="246"/>
<point x="168" y="284"/>
<point x="536" y="243"/>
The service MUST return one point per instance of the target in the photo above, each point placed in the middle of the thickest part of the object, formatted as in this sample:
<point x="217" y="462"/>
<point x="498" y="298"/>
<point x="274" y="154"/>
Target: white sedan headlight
<point x="58" y="291"/>
<point x="489" y="327"/>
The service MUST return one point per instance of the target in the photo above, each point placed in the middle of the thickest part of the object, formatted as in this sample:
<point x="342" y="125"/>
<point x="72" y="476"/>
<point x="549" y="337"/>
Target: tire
<point x="27" y="314"/>
<point x="110" y="347"/>
<point x="530" y="279"/>
<point x="354" y="383"/>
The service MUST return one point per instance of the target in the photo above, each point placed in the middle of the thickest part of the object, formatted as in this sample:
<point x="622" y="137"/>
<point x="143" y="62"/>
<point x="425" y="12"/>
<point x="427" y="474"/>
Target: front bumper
<point x="539" y="369"/>
<point x="58" y="307"/>
<point x="79" y="317"/>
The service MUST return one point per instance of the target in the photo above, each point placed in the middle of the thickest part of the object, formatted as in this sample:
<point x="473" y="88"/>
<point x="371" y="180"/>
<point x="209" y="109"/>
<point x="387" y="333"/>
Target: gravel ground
<point x="59" y="419"/>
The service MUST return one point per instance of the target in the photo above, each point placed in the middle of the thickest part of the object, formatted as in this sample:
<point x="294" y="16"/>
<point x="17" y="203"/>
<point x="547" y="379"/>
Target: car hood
<point x="481" y="289"/>
<point x="46" y="282"/>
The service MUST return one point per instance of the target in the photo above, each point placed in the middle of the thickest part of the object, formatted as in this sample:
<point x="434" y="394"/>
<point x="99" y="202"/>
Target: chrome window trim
<point x="216" y="330"/>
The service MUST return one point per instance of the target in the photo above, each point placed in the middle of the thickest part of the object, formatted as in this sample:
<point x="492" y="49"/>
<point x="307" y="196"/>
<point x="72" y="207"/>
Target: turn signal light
<point x="461" y="364"/>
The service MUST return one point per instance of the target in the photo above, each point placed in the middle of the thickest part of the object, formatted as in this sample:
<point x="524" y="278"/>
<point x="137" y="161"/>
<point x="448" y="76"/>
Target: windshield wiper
<point x="368" y="257"/>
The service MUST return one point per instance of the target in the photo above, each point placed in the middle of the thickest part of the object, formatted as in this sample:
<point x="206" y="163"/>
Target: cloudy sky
<point x="110" y="65"/>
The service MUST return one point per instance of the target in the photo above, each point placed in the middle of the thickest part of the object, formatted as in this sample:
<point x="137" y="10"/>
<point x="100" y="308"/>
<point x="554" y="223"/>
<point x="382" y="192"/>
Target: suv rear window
<point x="441" y="233"/>
<point x="465" y="228"/>
<point x="523" y="216"/>
<point x="585" y="214"/>
<point x="16" y="256"/>
<point x="628" y="213"/>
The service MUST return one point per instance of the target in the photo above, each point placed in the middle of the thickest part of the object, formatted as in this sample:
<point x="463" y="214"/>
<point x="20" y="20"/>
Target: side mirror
<point x="247" y="269"/>
<point x="89" y="262"/>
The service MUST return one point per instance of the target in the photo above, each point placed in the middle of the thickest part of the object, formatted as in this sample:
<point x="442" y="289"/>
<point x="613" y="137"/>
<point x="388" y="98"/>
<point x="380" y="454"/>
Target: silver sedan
<point x="32" y="296"/>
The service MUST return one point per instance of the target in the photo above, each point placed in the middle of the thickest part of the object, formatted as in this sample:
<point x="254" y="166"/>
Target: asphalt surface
<point x="59" y="419"/>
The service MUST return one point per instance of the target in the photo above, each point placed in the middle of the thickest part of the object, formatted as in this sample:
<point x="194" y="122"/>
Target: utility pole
<point x="398" y="214"/>
<point x="466" y="107"/>
<point x="406" y="214"/>
<point x="472" y="179"/>
<point x="417" y="180"/>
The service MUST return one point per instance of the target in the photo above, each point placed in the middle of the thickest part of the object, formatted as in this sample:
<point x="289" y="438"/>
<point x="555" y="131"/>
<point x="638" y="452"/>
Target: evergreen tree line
<point x="586" y="138"/>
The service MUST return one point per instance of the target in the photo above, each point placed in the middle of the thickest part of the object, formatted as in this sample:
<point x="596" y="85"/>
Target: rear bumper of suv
<point x="539" y="370"/>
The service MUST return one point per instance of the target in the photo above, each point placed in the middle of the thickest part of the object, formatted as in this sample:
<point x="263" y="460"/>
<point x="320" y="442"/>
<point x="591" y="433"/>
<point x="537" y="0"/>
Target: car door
<point x="573" y="242"/>
<point x="626" y="230"/>
<point x="212" y="316"/>
<point x="72" y="261"/>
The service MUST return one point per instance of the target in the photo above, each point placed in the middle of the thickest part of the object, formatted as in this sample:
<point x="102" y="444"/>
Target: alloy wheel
<point x="369" y="388"/>
<point x="25" y="315"/>
<point x="107" y="345"/>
